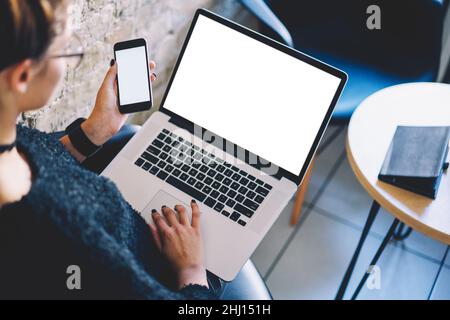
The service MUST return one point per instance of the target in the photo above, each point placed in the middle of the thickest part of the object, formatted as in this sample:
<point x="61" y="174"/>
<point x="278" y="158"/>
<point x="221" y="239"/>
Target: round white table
<point x="370" y="132"/>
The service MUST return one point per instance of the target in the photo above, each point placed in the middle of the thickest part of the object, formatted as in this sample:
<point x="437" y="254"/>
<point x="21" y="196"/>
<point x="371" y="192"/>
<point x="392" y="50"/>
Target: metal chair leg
<point x="374" y="261"/>
<point x="370" y="218"/>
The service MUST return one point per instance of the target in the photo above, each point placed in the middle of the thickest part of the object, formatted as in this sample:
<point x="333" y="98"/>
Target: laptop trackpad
<point x="160" y="199"/>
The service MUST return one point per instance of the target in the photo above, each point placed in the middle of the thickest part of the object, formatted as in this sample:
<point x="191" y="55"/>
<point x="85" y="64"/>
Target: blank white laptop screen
<point x="253" y="95"/>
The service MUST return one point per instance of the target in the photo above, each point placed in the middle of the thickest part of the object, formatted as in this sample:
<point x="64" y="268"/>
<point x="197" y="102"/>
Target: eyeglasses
<point x="73" y="53"/>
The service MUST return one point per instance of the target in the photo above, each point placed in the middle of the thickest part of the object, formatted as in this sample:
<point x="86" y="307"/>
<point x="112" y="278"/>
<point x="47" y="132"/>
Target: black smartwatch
<point x="79" y="139"/>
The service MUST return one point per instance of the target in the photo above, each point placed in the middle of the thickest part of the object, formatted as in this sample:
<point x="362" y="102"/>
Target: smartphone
<point x="133" y="76"/>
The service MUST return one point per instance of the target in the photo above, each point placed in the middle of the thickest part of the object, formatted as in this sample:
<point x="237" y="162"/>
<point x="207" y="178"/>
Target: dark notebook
<point x="416" y="159"/>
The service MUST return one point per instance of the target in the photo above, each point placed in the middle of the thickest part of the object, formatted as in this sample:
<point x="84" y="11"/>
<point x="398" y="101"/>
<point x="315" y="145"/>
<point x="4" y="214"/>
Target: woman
<point x="54" y="213"/>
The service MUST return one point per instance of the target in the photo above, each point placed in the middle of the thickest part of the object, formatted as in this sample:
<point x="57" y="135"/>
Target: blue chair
<point x="407" y="48"/>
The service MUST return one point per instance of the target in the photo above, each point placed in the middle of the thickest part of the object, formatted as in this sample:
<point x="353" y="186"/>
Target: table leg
<point x="399" y="235"/>
<point x="438" y="273"/>
<point x="370" y="218"/>
<point x="374" y="261"/>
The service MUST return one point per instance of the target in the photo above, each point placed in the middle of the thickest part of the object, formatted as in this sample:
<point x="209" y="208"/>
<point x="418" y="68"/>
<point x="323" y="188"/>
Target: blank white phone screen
<point x="132" y="75"/>
<point x="251" y="94"/>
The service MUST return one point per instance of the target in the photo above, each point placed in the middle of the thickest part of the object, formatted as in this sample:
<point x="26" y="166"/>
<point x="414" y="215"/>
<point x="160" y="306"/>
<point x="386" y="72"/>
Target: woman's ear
<point x="19" y="76"/>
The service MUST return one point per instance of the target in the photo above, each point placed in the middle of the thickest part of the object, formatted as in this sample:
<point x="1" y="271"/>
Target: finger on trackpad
<point x="160" y="199"/>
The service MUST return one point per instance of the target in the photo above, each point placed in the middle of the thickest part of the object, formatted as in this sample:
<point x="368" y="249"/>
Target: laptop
<point x="236" y="130"/>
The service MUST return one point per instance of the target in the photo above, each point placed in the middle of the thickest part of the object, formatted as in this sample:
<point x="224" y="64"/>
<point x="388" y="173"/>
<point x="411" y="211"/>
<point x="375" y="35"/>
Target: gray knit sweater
<point x="71" y="216"/>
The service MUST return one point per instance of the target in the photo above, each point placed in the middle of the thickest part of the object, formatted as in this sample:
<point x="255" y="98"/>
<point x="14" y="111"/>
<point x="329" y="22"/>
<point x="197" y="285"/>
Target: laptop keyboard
<point x="218" y="184"/>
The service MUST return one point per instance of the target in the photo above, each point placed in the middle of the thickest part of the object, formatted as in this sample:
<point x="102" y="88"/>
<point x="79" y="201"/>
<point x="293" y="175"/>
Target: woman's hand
<point x="181" y="243"/>
<point x="105" y="119"/>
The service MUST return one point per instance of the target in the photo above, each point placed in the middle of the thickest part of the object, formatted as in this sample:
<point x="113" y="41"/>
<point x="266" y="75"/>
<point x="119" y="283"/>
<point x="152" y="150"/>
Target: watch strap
<point x="79" y="139"/>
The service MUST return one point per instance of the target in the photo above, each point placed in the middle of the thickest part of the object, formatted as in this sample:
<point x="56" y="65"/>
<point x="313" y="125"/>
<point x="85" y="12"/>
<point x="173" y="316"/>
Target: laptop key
<point x="177" y="163"/>
<point x="262" y="191"/>
<point x="228" y="173"/>
<point x="223" y="198"/>
<point x="218" y="207"/>
<point x="213" y="164"/>
<point x="252" y="186"/>
<point x="244" y="181"/>
<point x="204" y="168"/>
<point x="240" y="198"/>
<point x="184" y="176"/>
<point x="180" y="185"/>
<point x="146" y="165"/>
<point x="236" y="169"/>
<point x="214" y="194"/>
<point x="259" y="182"/>
<point x="243" y="190"/>
<point x="176" y="172"/>
<point x="206" y="189"/>
<point x="153" y="150"/>
<point x="199" y="185"/>
<point x="231" y="193"/>
<point x="191" y="181"/>
<point x="234" y="185"/>
<point x="200" y="176"/>
<point x="150" y="157"/>
<point x="225" y="213"/>
<point x="193" y="172"/>
<point x="242" y="173"/>
<point x="211" y="173"/>
<point x="219" y="177"/>
<point x="241" y="209"/>
<point x="165" y="131"/>
<point x="168" y="140"/>
<point x="210" y="202"/>
<point x="197" y="156"/>
<point x="223" y="189"/>
<point x="242" y="222"/>
<point x="153" y="170"/>
<point x="250" y="195"/>
<point x="251" y="204"/>
<point x="157" y="143"/>
<point x="221" y="168"/>
<point x="235" y="216"/>
<point x="169" y="168"/>
<point x="139" y="162"/>
<point x="196" y="164"/>
<point x="230" y="203"/>
<point x="208" y="181"/>
<point x="161" y="136"/>
<point x="251" y="178"/>
<point x="259" y="199"/>
<point x="185" y="168"/>
<point x="268" y="186"/>
<point x="236" y="177"/>
<point x="161" y="164"/>
<point x="162" y="174"/>
<point x="227" y="181"/>
<point x="215" y="185"/>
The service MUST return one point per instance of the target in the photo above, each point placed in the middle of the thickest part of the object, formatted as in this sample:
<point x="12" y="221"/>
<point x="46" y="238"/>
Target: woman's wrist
<point x="97" y="136"/>
<point x="195" y="275"/>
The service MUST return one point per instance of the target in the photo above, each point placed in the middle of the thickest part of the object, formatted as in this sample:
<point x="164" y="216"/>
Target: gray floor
<point x="309" y="260"/>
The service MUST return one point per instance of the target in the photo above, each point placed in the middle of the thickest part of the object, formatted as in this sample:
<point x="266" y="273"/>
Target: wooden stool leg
<point x="300" y="197"/>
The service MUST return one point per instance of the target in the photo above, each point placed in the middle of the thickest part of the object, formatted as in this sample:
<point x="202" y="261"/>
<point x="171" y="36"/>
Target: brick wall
<point x="101" y="23"/>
